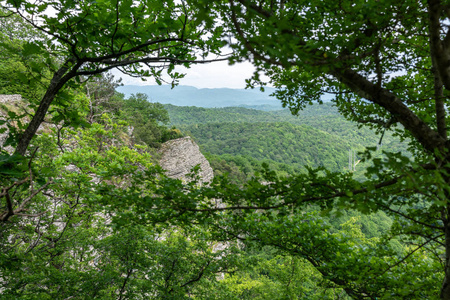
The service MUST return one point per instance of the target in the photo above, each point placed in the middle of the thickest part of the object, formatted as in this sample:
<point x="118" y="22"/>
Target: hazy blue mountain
<point x="191" y="96"/>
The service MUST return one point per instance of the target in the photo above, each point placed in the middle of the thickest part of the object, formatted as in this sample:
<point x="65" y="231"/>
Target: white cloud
<point x="212" y="75"/>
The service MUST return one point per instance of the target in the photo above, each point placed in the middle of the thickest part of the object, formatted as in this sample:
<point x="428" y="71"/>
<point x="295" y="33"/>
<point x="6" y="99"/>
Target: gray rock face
<point x="7" y="99"/>
<point x="180" y="156"/>
<point x="10" y="98"/>
<point x="4" y="135"/>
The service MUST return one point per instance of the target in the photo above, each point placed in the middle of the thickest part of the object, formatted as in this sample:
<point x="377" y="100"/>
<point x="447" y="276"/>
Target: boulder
<point x="179" y="156"/>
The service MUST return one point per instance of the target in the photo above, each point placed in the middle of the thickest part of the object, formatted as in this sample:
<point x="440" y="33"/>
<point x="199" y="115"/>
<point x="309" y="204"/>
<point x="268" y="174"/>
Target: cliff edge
<point x="179" y="156"/>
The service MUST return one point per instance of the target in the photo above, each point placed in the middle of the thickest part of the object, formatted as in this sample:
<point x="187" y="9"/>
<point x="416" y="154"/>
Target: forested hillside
<point x="280" y="142"/>
<point x="317" y="136"/>
<point x="194" y="115"/>
<point x="324" y="117"/>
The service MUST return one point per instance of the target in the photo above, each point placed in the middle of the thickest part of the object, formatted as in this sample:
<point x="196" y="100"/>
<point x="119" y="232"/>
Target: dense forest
<point x="316" y="136"/>
<point x="87" y="213"/>
<point x="325" y="118"/>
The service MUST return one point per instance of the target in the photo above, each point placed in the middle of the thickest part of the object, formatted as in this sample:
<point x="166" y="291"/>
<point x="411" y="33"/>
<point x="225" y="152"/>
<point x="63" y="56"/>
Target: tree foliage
<point x="85" y="39"/>
<point x="20" y="74"/>
<point x="58" y="238"/>
<point x="147" y="119"/>
<point x="387" y="63"/>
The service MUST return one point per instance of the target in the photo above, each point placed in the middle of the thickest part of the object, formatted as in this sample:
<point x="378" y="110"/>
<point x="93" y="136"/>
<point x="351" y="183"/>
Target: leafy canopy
<point x="387" y="63"/>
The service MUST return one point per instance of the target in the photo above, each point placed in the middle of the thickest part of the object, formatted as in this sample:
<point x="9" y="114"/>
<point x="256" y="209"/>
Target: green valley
<point x="317" y="136"/>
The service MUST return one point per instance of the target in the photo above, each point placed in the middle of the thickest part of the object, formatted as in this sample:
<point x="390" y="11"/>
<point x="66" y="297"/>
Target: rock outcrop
<point x="8" y="101"/>
<point x="179" y="156"/>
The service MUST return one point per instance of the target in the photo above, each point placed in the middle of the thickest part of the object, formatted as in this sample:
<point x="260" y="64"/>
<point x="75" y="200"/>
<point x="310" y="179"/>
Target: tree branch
<point x="409" y="255"/>
<point x="34" y="193"/>
<point x="429" y="138"/>
<point x="9" y="207"/>
<point x="198" y="277"/>
<point x="60" y="78"/>
<point x="439" y="49"/>
<point x="118" y="64"/>
<point x="436" y="47"/>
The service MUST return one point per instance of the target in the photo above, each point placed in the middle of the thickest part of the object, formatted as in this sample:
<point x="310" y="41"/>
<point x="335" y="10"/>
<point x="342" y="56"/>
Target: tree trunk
<point x="445" y="291"/>
<point x="59" y="79"/>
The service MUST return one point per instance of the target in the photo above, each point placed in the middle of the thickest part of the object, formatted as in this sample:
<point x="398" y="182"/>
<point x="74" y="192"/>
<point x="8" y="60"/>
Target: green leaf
<point x="31" y="48"/>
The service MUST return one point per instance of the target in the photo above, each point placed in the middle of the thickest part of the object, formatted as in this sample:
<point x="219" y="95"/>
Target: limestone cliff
<point x="179" y="156"/>
<point x="9" y="99"/>
<point x="8" y="102"/>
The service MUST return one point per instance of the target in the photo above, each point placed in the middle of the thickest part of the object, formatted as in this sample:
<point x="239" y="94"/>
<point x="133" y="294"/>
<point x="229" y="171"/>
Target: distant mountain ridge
<point x="191" y="96"/>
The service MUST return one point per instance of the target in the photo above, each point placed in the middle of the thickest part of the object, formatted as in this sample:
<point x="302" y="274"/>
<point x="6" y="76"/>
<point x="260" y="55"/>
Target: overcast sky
<point x="213" y="75"/>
